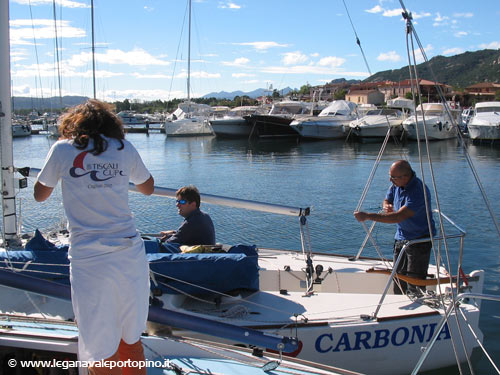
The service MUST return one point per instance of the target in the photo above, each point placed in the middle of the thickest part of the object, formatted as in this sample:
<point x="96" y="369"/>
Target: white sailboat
<point x="47" y="335"/>
<point x="189" y="119"/>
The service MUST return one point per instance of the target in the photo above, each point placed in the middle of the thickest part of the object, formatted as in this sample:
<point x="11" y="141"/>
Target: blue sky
<point x="141" y="45"/>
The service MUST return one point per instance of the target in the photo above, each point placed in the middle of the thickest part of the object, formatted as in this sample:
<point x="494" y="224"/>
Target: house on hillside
<point x="400" y="89"/>
<point x="487" y="90"/>
<point x="365" y="97"/>
<point x="327" y="91"/>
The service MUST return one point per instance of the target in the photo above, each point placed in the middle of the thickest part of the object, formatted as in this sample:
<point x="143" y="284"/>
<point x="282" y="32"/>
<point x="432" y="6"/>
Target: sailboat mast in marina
<point x="189" y="61"/>
<point x="189" y="119"/>
<point x="7" y="157"/>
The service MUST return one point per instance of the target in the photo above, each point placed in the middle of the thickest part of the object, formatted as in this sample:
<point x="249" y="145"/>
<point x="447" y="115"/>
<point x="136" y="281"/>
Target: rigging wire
<point x="58" y="64"/>
<point x="411" y="31"/>
<point x="177" y="54"/>
<point x="36" y="54"/>
<point x="460" y="133"/>
<point x="358" y="42"/>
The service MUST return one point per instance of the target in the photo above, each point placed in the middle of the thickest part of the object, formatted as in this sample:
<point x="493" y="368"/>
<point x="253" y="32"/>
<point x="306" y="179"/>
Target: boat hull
<point x="21" y="130"/>
<point x="188" y="127"/>
<point x="269" y="126"/>
<point x="436" y="130"/>
<point x="321" y="129"/>
<point x="484" y="132"/>
<point x="390" y="347"/>
<point x="231" y="128"/>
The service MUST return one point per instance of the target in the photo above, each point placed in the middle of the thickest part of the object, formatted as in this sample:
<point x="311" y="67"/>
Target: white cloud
<point x="453" y="51"/>
<point x="315" y="54"/>
<point x="311" y="69"/>
<point x="148" y="8"/>
<point x="262" y="46"/>
<point x="440" y="19"/>
<point x="375" y="9"/>
<point x="242" y="75"/>
<point x="331" y="61"/>
<point x="21" y="32"/>
<point x="240" y="61"/>
<point x="460" y="34"/>
<point x="135" y="57"/>
<point x="199" y="74"/>
<point x="16" y="56"/>
<point x="63" y="3"/>
<point x="229" y="5"/>
<point x="492" y="45"/>
<point x="251" y="81"/>
<point x="418" y="55"/>
<point x="463" y="15"/>
<point x="392" y="12"/>
<point x="416" y="15"/>
<point x="389" y="56"/>
<point x="150" y="76"/>
<point x="294" y="58"/>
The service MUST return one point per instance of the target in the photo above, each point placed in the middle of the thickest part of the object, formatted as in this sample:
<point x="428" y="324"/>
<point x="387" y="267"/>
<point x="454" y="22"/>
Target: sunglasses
<point x="181" y="201"/>
<point x="397" y="177"/>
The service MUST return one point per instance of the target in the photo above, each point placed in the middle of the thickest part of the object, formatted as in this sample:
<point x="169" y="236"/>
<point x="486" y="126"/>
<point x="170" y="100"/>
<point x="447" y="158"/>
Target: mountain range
<point x="23" y="102"/>
<point x="252" y="94"/>
<point x="459" y="71"/>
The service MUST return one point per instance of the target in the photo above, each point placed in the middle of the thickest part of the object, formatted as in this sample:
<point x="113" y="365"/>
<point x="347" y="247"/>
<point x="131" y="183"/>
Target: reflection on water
<point x="328" y="176"/>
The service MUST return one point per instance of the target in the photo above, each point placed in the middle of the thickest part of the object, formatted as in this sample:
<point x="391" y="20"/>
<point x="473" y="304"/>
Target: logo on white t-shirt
<point x="101" y="171"/>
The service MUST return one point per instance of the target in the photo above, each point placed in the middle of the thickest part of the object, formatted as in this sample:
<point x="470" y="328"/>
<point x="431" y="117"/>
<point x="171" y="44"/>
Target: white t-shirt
<point x="95" y="190"/>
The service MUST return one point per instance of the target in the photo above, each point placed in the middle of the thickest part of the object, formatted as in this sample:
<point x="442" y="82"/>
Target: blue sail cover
<point x="203" y="273"/>
<point x="191" y="273"/>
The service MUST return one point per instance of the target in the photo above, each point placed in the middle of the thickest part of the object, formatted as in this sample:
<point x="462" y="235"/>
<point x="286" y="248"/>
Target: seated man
<point x="197" y="227"/>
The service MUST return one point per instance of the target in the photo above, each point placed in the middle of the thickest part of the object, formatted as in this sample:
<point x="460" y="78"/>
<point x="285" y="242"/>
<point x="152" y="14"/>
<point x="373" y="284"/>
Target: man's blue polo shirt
<point x="411" y="196"/>
<point x="196" y="229"/>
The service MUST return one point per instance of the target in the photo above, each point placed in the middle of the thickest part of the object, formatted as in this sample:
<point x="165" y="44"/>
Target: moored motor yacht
<point x="331" y="123"/>
<point x="235" y="123"/>
<point x="21" y="130"/>
<point x="276" y="124"/>
<point x="438" y="124"/>
<point x="485" y="123"/>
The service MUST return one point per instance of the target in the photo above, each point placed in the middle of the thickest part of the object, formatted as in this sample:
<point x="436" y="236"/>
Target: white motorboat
<point x="189" y="119"/>
<point x="21" y="130"/>
<point x="235" y="123"/>
<point x="331" y="123"/>
<point x="485" y="123"/>
<point x="131" y="118"/>
<point x="438" y="123"/>
<point x="377" y="122"/>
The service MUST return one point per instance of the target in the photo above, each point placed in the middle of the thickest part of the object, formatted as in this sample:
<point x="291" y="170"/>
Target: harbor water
<point x="328" y="176"/>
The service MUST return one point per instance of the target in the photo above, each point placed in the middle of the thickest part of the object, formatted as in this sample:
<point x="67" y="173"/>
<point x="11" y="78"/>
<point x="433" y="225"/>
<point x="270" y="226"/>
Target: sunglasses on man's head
<point x="181" y="201"/>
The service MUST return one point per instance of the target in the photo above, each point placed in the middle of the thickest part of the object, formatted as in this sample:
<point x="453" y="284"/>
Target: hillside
<point x="21" y="102"/>
<point x="460" y="70"/>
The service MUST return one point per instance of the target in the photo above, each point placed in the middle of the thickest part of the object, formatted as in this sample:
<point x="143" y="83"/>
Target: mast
<point x="6" y="152"/>
<point x="189" y="60"/>
<point x="93" y="45"/>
